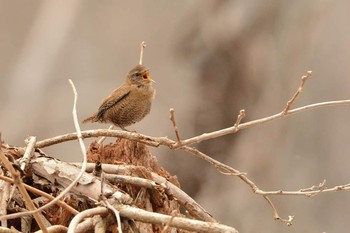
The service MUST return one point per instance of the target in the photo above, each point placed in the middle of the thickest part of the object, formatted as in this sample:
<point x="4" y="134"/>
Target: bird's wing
<point x="112" y="100"/>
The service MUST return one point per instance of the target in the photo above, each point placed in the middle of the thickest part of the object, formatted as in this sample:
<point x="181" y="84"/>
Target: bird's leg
<point x="122" y="128"/>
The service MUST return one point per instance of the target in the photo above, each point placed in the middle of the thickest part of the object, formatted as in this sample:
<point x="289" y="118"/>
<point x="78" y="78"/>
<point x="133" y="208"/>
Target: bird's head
<point x="139" y="75"/>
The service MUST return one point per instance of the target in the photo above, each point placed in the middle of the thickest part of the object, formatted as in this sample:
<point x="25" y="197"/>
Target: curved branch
<point x="84" y="214"/>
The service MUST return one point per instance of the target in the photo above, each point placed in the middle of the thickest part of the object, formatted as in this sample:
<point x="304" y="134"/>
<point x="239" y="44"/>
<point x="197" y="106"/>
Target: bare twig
<point x="275" y="213"/>
<point x="24" y="161"/>
<point x="240" y="116"/>
<point x="172" y="118"/>
<point x="304" y="78"/>
<point x="309" y="192"/>
<point x="77" y="127"/>
<point x="233" y="129"/>
<point x="82" y="147"/>
<point x="151" y="141"/>
<point x="143" y="45"/>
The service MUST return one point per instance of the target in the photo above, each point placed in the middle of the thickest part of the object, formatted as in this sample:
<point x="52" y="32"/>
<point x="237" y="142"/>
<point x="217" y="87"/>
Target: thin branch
<point x="229" y="171"/>
<point x="309" y="192"/>
<point x="151" y="141"/>
<point x="276" y="215"/>
<point x="77" y="127"/>
<point x="142" y="45"/>
<point x="220" y="167"/>
<point x="233" y="129"/>
<point x="157" y="141"/>
<point x="240" y="116"/>
<point x="304" y="78"/>
<point x="172" y="118"/>
<point x="24" y="161"/>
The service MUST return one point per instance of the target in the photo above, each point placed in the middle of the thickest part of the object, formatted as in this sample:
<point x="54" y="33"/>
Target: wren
<point x="129" y="103"/>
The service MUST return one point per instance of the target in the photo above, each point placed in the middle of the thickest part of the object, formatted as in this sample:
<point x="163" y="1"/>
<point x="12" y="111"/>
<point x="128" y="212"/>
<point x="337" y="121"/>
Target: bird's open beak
<point x="147" y="77"/>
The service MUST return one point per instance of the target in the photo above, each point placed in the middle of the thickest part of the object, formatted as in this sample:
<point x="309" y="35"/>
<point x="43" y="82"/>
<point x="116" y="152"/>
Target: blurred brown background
<point x="210" y="59"/>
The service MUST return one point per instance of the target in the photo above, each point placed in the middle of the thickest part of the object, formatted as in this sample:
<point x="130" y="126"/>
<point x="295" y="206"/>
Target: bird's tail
<point x="90" y="119"/>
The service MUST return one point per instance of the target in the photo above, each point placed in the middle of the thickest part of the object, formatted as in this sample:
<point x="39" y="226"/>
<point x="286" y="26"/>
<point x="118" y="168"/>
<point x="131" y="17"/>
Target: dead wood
<point x="154" y="190"/>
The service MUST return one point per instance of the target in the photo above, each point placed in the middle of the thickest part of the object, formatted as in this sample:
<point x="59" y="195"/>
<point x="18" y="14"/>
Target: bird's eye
<point x="137" y="74"/>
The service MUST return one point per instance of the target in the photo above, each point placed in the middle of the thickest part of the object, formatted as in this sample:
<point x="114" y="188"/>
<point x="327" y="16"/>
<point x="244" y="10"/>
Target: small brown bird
<point x="129" y="103"/>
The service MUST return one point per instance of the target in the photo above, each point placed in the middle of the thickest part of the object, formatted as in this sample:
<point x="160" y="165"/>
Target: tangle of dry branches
<point x="119" y="173"/>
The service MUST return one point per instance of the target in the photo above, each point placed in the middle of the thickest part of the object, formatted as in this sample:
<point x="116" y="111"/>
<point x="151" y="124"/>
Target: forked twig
<point x="304" y="78"/>
<point x="276" y="215"/>
<point x="172" y="118"/>
<point x="240" y="116"/>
